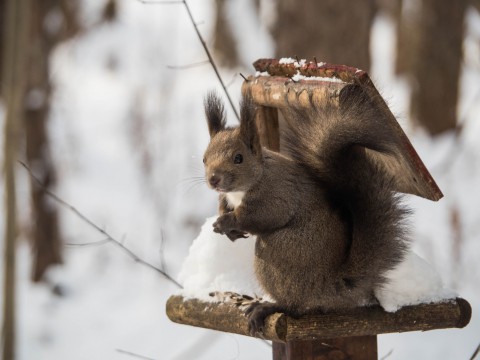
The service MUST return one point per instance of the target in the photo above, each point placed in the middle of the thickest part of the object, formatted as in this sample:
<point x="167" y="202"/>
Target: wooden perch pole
<point x="349" y="334"/>
<point x="362" y="321"/>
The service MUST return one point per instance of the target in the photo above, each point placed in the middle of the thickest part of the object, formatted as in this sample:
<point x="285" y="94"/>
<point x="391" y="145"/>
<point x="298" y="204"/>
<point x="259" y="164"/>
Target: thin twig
<point x="209" y="55"/>
<point x="162" y="251"/>
<point x="387" y="355"/>
<point x="108" y="237"/>
<point x="133" y="354"/>
<point x="232" y="81"/>
<point x="475" y="353"/>
<point x="93" y="243"/>
<point x="204" y="44"/>
<point x="188" y="66"/>
<point x="167" y="2"/>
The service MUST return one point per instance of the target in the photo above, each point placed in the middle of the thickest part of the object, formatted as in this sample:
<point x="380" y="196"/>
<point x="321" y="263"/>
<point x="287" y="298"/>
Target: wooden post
<point x="354" y="348"/>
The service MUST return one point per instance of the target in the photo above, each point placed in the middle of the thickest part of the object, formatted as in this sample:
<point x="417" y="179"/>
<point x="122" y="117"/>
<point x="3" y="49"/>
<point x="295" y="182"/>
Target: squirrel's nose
<point x="214" y="180"/>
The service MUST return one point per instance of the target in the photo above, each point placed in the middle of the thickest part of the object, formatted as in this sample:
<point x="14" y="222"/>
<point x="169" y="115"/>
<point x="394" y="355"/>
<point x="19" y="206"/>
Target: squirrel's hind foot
<point x="257" y="313"/>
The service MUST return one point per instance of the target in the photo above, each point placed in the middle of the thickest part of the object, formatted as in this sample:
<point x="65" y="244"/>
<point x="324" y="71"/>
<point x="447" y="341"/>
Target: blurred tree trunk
<point x="476" y="4"/>
<point x="392" y="8"/>
<point x="408" y="22"/>
<point x="52" y="22"/>
<point x="15" y="20"/>
<point x="436" y="68"/>
<point x="334" y="31"/>
<point x="224" y="43"/>
<point x="2" y="41"/>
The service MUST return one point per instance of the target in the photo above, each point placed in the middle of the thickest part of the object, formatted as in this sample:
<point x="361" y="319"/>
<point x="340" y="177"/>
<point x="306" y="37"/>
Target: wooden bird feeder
<point x="336" y="335"/>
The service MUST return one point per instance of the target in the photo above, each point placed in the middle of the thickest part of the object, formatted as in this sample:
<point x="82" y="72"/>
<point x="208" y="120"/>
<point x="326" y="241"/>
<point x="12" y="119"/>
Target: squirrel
<point x="328" y="223"/>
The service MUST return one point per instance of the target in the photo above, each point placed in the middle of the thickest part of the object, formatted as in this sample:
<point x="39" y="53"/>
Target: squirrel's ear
<point x="215" y="112"/>
<point x="248" y="128"/>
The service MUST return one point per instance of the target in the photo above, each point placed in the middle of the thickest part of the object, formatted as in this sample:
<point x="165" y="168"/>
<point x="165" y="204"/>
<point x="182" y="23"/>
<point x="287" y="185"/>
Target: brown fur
<point x="327" y="223"/>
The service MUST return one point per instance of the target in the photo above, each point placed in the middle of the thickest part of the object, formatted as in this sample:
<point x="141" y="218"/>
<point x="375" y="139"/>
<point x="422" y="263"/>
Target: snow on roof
<point x="298" y="77"/>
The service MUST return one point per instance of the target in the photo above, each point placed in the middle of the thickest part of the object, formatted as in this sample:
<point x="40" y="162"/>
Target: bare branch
<point x="210" y="58"/>
<point x="93" y="243"/>
<point x="188" y="66"/>
<point x="232" y="81"/>
<point x="387" y="355"/>
<point x="476" y="352"/>
<point x="167" y="2"/>
<point x="204" y="45"/>
<point x="134" y="355"/>
<point x="109" y="238"/>
<point x="161" y="251"/>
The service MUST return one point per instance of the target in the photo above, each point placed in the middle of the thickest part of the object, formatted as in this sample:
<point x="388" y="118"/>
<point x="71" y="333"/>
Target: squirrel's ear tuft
<point x="248" y="128"/>
<point x="215" y="112"/>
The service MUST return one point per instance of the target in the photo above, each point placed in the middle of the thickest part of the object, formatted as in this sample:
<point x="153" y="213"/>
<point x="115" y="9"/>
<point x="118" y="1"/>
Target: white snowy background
<point x="128" y="135"/>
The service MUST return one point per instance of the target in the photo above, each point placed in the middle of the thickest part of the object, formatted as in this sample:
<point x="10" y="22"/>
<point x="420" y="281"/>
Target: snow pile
<point x="412" y="282"/>
<point x="214" y="263"/>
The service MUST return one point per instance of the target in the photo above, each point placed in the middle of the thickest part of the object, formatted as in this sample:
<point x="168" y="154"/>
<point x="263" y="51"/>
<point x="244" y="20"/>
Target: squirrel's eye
<point x="204" y="160"/>
<point x="238" y="159"/>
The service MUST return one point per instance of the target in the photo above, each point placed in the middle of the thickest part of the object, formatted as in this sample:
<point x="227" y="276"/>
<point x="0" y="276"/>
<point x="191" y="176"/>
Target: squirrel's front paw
<point x="217" y="229"/>
<point x="225" y="225"/>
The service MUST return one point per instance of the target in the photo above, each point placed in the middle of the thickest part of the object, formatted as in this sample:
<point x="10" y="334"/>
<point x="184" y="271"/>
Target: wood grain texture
<point x="352" y="348"/>
<point x="365" y="321"/>
<point x="268" y="128"/>
<point x="222" y="317"/>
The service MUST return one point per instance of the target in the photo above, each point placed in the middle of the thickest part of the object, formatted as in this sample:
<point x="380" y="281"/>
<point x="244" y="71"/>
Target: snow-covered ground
<point x="128" y="135"/>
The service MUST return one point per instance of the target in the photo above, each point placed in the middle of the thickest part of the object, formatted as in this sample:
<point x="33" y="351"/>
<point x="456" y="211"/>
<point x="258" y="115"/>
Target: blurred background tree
<point x="30" y="31"/>
<point x="429" y="45"/>
<point x="15" y="17"/>
<point x="334" y="31"/>
<point x="429" y="54"/>
<point x="52" y="22"/>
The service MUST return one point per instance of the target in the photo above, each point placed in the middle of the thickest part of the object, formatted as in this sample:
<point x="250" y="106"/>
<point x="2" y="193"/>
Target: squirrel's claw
<point x="236" y="234"/>
<point x="217" y="229"/>
<point x="257" y="313"/>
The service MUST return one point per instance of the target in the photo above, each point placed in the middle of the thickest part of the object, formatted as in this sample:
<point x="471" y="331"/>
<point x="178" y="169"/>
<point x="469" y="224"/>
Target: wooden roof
<point x="273" y="87"/>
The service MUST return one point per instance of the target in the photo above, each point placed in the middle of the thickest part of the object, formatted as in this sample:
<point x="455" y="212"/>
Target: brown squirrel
<point x="327" y="222"/>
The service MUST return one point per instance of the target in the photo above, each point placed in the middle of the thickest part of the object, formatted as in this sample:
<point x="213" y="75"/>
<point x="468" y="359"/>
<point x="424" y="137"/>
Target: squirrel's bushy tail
<point x="330" y="140"/>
